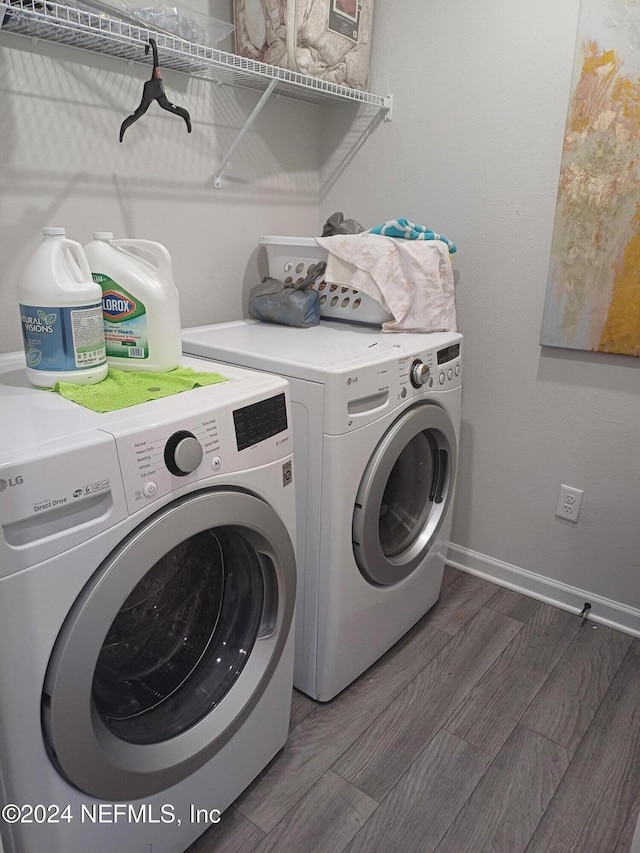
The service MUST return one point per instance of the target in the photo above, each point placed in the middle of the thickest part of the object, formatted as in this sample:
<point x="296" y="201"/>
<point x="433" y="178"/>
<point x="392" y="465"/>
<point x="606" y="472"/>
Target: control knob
<point x="419" y="373"/>
<point x="182" y="453"/>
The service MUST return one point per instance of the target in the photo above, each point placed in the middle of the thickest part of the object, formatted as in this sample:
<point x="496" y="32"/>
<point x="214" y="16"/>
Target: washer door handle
<point x="443" y="468"/>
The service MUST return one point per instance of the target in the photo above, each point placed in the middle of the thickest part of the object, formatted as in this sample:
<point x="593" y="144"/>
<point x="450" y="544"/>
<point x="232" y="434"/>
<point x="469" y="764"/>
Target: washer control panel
<point x="166" y="457"/>
<point x="152" y="462"/>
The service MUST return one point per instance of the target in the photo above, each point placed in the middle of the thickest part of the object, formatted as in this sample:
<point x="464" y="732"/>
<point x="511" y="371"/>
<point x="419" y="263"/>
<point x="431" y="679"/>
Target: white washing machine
<point x="147" y="588"/>
<point x="376" y="421"/>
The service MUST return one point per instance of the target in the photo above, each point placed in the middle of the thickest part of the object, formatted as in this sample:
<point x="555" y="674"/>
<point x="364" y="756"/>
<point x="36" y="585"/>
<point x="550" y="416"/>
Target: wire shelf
<point x="99" y="33"/>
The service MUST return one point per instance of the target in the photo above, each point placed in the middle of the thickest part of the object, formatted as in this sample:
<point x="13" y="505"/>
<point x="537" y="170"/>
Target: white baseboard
<point x="603" y="610"/>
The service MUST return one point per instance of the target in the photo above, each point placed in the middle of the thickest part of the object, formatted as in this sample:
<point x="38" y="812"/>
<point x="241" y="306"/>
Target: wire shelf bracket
<point x="217" y="178"/>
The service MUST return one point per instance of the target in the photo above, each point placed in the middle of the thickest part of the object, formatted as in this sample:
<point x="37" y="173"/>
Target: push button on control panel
<point x="150" y="488"/>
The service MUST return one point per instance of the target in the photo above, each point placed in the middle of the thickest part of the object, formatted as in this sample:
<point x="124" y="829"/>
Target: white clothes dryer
<point x="147" y="589"/>
<point x="376" y="420"/>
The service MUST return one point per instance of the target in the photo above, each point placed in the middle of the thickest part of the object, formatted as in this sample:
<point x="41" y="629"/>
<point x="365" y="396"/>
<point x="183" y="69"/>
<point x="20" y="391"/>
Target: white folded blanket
<point x="412" y="279"/>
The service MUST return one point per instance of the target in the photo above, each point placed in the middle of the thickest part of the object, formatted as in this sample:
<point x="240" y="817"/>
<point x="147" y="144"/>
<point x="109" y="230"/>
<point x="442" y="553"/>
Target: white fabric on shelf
<point x="412" y="279"/>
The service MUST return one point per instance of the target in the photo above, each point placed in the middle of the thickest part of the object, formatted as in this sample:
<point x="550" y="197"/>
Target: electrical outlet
<point x="569" y="503"/>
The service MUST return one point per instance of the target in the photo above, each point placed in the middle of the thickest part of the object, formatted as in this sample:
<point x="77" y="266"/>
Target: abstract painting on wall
<point x="593" y="291"/>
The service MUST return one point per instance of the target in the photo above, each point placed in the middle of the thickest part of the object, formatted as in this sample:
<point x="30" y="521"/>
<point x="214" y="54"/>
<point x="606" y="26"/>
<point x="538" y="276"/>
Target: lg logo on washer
<point x="12" y="481"/>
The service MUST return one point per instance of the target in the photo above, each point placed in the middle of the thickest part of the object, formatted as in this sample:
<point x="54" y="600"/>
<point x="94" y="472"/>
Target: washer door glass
<point x="181" y="638"/>
<point x="170" y="645"/>
<point x="404" y="495"/>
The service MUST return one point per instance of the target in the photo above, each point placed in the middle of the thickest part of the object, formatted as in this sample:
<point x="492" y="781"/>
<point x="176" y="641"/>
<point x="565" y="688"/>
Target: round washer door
<point x="404" y="494"/>
<point x="170" y="645"/>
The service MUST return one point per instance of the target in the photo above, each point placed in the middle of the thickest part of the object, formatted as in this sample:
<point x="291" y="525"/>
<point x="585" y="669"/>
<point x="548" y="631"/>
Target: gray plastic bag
<point x="273" y="301"/>
<point x="337" y="224"/>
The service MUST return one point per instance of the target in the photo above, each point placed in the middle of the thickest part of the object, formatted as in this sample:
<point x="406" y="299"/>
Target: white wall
<point x="473" y="151"/>
<point x="62" y="165"/>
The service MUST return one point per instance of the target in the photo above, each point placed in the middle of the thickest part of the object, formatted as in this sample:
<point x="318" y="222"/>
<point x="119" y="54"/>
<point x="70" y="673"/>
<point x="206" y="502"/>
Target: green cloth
<point x="122" y="388"/>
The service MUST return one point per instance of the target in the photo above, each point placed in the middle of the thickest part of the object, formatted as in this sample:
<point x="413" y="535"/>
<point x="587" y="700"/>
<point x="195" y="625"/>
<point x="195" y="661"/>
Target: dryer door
<point x="170" y="645"/>
<point x="404" y="494"/>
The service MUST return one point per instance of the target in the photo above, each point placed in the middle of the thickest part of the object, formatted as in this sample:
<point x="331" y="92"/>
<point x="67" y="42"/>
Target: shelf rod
<point x="217" y="182"/>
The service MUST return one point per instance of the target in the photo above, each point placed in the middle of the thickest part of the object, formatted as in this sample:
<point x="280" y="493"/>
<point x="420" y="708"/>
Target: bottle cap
<point x="53" y="232"/>
<point x="103" y="235"/>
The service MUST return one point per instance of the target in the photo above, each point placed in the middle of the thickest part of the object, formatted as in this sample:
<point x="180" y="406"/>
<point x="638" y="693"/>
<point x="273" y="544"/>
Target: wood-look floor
<point x="498" y="723"/>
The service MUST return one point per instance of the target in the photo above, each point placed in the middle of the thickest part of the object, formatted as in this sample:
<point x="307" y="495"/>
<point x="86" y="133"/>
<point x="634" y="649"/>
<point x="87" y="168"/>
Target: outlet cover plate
<point x="569" y="503"/>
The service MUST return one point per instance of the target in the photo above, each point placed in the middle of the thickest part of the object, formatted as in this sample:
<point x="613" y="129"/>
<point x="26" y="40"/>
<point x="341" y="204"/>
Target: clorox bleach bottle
<point x="140" y="303"/>
<point x="61" y="314"/>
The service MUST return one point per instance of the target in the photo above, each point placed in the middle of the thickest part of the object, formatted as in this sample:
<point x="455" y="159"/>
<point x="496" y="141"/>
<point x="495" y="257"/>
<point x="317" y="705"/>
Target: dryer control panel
<point x="449" y="366"/>
<point x="439" y="369"/>
<point x="362" y="395"/>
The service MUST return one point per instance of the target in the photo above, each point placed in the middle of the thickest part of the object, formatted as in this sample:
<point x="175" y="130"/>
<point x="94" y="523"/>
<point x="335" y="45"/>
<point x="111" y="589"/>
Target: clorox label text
<point x="116" y="306"/>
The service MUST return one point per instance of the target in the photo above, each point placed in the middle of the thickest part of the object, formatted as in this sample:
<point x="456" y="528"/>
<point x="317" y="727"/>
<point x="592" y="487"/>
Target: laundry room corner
<point x="63" y="165"/>
<point x="473" y="151"/>
<point x="279" y="568"/>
